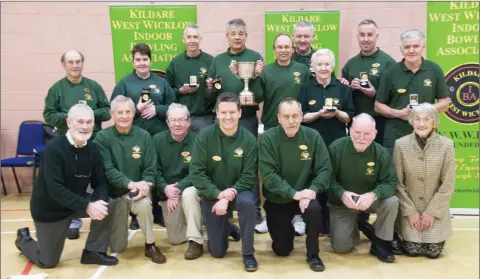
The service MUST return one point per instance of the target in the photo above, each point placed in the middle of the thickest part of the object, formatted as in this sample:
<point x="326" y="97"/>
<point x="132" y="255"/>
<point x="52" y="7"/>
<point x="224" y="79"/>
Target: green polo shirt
<point x="178" y="73"/>
<point x="220" y="161"/>
<point x="375" y="65"/>
<point x="64" y="94"/>
<point x="398" y="83"/>
<point x="312" y="98"/>
<point x="230" y="82"/>
<point x="303" y="59"/>
<point x="161" y="94"/>
<point x="360" y="172"/>
<point x="126" y="157"/>
<point x="288" y="165"/>
<point x="279" y="82"/>
<point x="173" y="160"/>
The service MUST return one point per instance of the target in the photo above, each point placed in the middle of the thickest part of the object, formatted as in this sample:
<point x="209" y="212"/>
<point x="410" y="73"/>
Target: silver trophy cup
<point x="246" y="71"/>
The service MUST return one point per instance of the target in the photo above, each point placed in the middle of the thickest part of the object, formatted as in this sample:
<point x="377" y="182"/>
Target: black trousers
<point x="282" y="233"/>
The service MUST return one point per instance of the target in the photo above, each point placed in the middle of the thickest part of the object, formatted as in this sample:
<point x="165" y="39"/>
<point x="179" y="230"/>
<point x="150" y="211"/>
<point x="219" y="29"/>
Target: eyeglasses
<point x="79" y="174"/>
<point x="178" y="120"/>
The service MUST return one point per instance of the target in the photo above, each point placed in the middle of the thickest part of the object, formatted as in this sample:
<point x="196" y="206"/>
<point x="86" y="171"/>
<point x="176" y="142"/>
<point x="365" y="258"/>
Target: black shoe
<point x="382" y="250"/>
<point x="73" y="233"/>
<point x="396" y="247"/>
<point x="90" y="257"/>
<point x="315" y="263"/>
<point x="235" y="232"/>
<point x="250" y="263"/>
<point x="134" y="223"/>
<point x="21" y="234"/>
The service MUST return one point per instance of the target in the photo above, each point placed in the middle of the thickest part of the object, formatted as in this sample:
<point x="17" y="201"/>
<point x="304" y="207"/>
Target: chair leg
<point x="3" y="184"/>
<point x="16" y="180"/>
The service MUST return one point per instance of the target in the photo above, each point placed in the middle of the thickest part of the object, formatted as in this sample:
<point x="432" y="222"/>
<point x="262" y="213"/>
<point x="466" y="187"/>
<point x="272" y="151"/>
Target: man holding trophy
<point x="237" y="71"/>
<point x="412" y="81"/>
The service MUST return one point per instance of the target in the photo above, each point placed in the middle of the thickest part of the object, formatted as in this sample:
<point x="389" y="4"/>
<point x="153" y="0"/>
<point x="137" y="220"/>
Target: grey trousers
<point x="46" y="251"/>
<point x="219" y="228"/>
<point x="200" y="122"/>
<point x="344" y="225"/>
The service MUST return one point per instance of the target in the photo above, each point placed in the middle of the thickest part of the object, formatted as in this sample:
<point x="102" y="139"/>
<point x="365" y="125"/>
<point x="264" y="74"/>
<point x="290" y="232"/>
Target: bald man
<point x="363" y="179"/>
<point x="74" y="89"/>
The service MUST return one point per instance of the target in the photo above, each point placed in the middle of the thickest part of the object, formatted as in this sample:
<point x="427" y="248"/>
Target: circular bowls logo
<point x="462" y="83"/>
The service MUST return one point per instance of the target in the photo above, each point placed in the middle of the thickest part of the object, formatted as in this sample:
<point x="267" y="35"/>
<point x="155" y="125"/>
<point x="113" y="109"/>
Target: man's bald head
<point x="72" y="54"/>
<point x="72" y="61"/>
<point x="363" y="131"/>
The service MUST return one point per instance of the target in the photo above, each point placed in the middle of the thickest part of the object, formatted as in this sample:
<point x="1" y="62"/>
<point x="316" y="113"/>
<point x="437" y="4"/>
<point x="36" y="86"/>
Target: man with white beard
<point x="69" y="164"/>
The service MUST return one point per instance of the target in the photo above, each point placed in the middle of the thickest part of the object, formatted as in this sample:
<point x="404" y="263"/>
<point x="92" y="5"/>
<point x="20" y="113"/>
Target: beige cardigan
<point x="426" y="181"/>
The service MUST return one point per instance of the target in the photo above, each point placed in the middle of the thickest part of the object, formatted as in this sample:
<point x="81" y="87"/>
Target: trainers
<point x="298" y="225"/>
<point x="262" y="227"/>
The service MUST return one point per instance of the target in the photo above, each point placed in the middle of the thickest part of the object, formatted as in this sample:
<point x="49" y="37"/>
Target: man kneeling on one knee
<point x="179" y="201"/>
<point x="295" y="166"/>
<point x="363" y="179"/>
<point x="69" y="164"/>
<point x="130" y="166"/>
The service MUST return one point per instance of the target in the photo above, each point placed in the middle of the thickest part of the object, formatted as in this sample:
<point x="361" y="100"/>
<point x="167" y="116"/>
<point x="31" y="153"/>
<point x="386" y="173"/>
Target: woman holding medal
<point x="328" y="107"/>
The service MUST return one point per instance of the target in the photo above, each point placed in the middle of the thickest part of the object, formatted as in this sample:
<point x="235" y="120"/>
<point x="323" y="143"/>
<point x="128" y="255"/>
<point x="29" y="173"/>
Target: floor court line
<point x="102" y="268"/>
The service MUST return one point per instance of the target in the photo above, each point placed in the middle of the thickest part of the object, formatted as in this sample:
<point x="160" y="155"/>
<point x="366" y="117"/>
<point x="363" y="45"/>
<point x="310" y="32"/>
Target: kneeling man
<point x="69" y="164"/>
<point x="363" y="179"/>
<point x="295" y="166"/>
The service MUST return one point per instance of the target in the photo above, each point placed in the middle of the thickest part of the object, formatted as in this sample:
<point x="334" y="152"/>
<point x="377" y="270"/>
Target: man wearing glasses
<point x="68" y="166"/>
<point x="130" y="166"/>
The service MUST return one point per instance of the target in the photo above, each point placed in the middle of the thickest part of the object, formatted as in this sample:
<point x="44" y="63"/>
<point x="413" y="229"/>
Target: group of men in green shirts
<point x="153" y="147"/>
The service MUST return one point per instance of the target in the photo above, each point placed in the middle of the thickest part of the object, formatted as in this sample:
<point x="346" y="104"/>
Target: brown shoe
<point x="153" y="252"/>
<point x="194" y="251"/>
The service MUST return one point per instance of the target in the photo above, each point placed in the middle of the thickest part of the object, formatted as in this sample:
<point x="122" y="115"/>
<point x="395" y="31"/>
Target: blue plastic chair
<point x="31" y="142"/>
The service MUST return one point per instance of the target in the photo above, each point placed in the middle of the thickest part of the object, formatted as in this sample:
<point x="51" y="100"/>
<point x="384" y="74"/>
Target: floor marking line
<point x="102" y="268"/>
<point x="27" y="268"/>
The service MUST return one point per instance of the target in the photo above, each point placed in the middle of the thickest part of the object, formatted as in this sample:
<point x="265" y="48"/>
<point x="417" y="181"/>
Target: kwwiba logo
<point x="462" y="82"/>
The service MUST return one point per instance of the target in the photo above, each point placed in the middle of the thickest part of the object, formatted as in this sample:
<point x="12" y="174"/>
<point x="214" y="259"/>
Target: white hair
<point x="79" y="110"/>
<point x="322" y="52"/>
<point x="364" y="116"/>
<point x="427" y="108"/>
<point x="173" y="106"/>
<point x="121" y="99"/>
<point x="412" y="34"/>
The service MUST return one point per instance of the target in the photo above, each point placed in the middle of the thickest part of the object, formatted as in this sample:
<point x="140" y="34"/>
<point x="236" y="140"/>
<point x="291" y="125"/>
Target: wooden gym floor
<point x="460" y="258"/>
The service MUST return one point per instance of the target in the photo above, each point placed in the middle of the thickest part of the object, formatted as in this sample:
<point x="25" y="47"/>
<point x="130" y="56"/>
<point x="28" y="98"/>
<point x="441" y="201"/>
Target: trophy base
<point x="330" y="109"/>
<point x="247" y="99"/>
<point x="192" y="85"/>
<point x="364" y="84"/>
<point x="412" y="106"/>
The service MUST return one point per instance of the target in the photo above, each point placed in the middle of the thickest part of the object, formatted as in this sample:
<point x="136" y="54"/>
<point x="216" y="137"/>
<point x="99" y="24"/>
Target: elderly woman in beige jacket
<point x="425" y="164"/>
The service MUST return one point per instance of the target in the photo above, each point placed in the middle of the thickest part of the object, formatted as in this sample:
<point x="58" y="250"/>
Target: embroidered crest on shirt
<point x="203" y="72"/>
<point x="238" y="152"/>
<point x="154" y="88"/>
<point x="296" y="77"/>
<point x="370" y="169"/>
<point x="136" y="153"/>
<point x="304" y="156"/>
<point x="427" y="82"/>
<point x="186" y="157"/>
<point x="374" y="71"/>
<point x="87" y="95"/>
<point x="401" y="90"/>
<point x="217" y="158"/>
